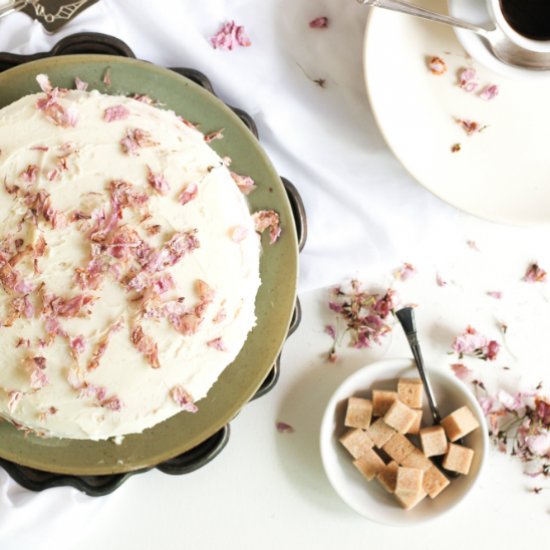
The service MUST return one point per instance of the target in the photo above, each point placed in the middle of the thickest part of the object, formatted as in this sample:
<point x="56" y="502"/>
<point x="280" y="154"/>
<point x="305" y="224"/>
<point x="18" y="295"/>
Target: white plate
<point x="369" y="498"/>
<point x="477" y="12"/>
<point x="502" y="173"/>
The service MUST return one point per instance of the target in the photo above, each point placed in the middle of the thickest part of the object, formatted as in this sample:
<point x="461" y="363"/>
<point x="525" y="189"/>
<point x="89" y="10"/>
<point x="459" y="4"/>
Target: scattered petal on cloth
<point x="471" y="342"/>
<point x="462" y="372"/>
<point x="406" y="271"/>
<point x="535" y="274"/>
<point x="319" y="23"/>
<point x="284" y="428"/>
<point x="437" y="66"/>
<point x="229" y="36"/>
<point x="489" y="92"/>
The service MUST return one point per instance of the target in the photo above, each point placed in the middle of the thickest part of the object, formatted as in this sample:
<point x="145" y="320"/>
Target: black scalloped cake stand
<point x="37" y="480"/>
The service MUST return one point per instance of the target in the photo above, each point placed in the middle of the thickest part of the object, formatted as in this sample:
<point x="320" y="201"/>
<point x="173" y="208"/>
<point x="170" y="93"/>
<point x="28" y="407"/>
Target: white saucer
<point x="501" y="174"/>
<point x="477" y="12"/>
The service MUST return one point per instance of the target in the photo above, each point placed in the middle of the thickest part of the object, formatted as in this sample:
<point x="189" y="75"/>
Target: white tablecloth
<point x="366" y="216"/>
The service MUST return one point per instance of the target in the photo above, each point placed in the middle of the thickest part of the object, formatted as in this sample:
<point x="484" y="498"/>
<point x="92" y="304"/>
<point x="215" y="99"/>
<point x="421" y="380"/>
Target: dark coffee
<point x="530" y="18"/>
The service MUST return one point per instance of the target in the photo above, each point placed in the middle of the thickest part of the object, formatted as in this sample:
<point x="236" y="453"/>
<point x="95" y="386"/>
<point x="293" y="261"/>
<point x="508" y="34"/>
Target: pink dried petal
<point x="284" y="428"/>
<point x="44" y="83"/>
<point x="466" y="80"/>
<point x="319" y="23"/>
<point x="135" y="139"/>
<point x="440" y="280"/>
<point x="112" y="403"/>
<point x="157" y="182"/>
<point x="188" y="193"/>
<point x="462" y="372"/>
<point x="244" y="183"/>
<point x="183" y="399"/>
<point x="80" y="84"/>
<point x="228" y="36"/>
<point x="78" y="344"/>
<point x="472" y="245"/>
<point x="539" y="444"/>
<point x="116" y="112"/>
<point x="30" y="173"/>
<point x="486" y="403"/>
<point x="511" y="402"/>
<point x="489" y="92"/>
<point x="39" y="378"/>
<point x="217" y="344"/>
<point x="52" y="174"/>
<point x="264" y="219"/>
<point x="496" y="294"/>
<point x="331" y="331"/>
<point x="239" y="233"/>
<point x="218" y="134"/>
<point x="405" y="272"/>
<point x="146" y="346"/>
<point x="437" y="65"/>
<point x="470" y="126"/>
<point x="535" y="274"/>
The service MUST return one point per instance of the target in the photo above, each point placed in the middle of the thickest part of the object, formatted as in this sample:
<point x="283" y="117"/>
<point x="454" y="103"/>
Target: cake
<point x="129" y="264"/>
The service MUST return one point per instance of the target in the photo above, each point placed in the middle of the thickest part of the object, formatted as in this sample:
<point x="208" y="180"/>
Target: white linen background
<point x="363" y="209"/>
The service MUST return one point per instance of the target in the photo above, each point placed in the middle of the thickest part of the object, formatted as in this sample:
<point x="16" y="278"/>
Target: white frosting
<point x="230" y="268"/>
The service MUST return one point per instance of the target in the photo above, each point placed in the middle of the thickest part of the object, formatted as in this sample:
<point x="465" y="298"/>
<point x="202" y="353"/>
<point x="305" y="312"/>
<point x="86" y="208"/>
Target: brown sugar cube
<point x="380" y="432"/>
<point x="458" y="459"/>
<point x="357" y="442"/>
<point x="408" y="481"/>
<point x="410" y="501"/>
<point x="400" y="417"/>
<point x="369" y="464"/>
<point x="388" y="476"/>
<point x="433" y="440"/>
<point x="417" y="424"/>
<point x="459" y="423"/>
<point x="434" y="481"/>
<point x="358" y="413"/>
<point x="418" y="460"/>
<point x="410" y="391"/>
<point x="381" y="401"/>
<point x="398" y="447"/>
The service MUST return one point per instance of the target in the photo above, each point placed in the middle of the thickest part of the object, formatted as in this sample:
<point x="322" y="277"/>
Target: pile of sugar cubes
<point x="382" y="450"/>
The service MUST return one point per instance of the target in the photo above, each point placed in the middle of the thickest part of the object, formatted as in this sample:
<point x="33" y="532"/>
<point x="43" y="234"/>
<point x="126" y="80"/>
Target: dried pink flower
<point x="471" y="342"/>
<point x="535" y="274"/>
<point x="230" y="35"/>
<point x="440" y="280"/>
<point x="406" y="271"/>
<point x="462" y="372"/>
<point x="496" y="294"/>
<point x="319" y="23"/>
<point x="364" y="314"/>
<point x="467" y="80"/>
<point x="489" y="92"/>
<point x="437" y="66"/>
<point x="284" y="428"/>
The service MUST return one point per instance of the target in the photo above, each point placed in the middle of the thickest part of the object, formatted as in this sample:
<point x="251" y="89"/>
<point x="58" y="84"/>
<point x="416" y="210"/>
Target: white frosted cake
<point x="129" y="264"/>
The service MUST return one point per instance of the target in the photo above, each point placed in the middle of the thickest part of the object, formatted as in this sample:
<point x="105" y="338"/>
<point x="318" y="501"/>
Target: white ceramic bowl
<point x="370" y="499"/>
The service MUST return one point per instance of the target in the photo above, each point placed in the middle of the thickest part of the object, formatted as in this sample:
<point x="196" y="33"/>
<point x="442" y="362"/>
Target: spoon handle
<point x="15" y="5"/>
<point x="411" y="9"/>
<point x="407" y="320"/>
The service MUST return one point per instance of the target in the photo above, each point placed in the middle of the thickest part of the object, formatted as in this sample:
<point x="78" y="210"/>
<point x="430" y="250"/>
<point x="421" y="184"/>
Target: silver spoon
<point x="502" y="47"/>
<point x="407" y="320"/>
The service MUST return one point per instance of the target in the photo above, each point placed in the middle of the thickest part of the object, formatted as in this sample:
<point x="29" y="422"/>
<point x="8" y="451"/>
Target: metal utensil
<point x="496" y="40"/>
<point x="11" y="7"/>
<point x="407" y="320"/>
